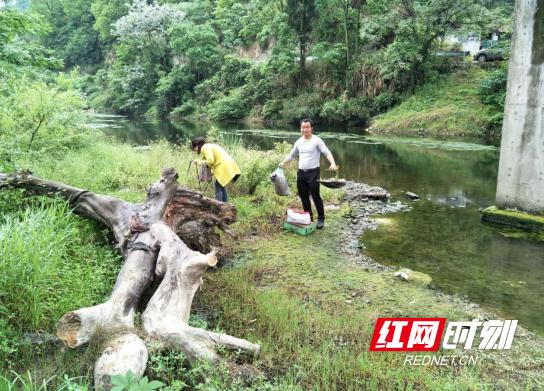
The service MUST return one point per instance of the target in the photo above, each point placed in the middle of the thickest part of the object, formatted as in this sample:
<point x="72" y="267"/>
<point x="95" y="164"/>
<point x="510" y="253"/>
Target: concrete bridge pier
<point x="520" y="184"/>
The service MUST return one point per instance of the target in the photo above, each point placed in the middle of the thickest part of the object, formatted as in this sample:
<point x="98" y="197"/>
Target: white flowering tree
<point x="146" y="27"/>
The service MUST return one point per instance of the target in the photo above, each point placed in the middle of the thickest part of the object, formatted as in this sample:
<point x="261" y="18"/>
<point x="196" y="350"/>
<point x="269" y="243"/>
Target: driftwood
<point x="170" y="237"/>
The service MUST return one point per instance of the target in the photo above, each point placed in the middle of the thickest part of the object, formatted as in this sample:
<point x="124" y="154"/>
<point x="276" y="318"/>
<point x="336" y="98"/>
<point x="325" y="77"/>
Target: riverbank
<point x="307" y="300"/>
<point x="312" y="302"/>
<point x="446" y="108"/>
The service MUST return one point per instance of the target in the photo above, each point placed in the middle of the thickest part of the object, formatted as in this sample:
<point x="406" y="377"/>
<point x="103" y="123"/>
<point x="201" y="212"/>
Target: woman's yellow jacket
<point x="223" y="166"/>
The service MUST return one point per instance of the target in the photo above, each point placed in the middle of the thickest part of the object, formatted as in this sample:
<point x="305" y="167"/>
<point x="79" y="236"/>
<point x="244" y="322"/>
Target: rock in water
<point x="416" y="278"/>
<point x="355" y="191"/>
<point x="412" y="196"/>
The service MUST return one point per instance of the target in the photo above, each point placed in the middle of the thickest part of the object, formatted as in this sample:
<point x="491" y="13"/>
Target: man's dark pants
<point x="307" y="186"/>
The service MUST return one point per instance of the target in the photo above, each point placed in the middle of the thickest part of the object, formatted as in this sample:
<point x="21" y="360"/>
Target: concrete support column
<point x="521" y="168"/>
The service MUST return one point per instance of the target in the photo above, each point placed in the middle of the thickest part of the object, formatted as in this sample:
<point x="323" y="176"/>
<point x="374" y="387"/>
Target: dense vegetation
<point x="469" y="102"/>
<point x="312" y="314"/>
<point x="279" y="60"/>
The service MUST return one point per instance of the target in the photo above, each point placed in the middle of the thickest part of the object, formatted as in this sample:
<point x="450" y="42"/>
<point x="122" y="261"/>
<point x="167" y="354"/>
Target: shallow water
<point x="441" y="235"/>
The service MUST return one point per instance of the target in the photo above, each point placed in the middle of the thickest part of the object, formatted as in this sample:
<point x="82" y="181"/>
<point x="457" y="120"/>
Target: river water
<point x="440" y="235"/>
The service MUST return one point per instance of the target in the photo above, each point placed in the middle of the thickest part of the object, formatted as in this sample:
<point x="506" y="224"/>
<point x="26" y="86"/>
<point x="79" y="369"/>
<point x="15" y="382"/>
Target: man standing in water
<point x="309" y="148"/>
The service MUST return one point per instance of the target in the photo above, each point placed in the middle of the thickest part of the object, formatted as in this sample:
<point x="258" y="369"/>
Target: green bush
<point x="256" y="172"/>
<point x="385" y="101"/>
<point x="208" y="90"/>
<point x="265" y="83"/>
<point x="352" y="110"/>
<point x="272" y="109"/>
<point x="302" y="106"/>
<point x="186" y="108"/>
<point x="172" y="88"/>
<point x="132" y="88"/>
<point x="97" y="89"/>
<point x="492" y="92"/>
<point x="40" y="118"/>
<point x="230" y="107"/>
<point x="234" y="71"/>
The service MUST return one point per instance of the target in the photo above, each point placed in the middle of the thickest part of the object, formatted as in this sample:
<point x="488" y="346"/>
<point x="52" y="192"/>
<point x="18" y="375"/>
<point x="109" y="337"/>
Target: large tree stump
<point x="151" y="239"/>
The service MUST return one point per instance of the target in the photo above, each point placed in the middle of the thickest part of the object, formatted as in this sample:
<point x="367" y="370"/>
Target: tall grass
<point x="126" y="172"/>
<point x="51" y="262"/>
<point x="18" y="382"/>
<point x="47" y="268"/>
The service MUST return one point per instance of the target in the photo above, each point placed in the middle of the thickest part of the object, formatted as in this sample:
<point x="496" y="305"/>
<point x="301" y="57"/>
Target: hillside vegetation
<point x="451" y="106"/>
<point x="277" y="61"/>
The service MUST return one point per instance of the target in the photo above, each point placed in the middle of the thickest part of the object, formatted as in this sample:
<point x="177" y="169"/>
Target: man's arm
<point x="330" y="158"/>
<point x="325" y="151"/>
<point x="291" y="156"/>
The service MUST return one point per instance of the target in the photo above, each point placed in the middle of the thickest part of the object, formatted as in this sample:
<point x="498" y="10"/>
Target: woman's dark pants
<point x="220" y="192"/>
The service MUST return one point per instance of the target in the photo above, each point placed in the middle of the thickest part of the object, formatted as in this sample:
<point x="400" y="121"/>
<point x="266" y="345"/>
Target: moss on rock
<point x="513" y="218"/>
<point x="415" y="278"/>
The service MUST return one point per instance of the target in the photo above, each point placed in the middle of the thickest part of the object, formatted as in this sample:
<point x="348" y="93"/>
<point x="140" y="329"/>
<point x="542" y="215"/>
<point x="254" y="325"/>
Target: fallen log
<point x="170" y="237"/>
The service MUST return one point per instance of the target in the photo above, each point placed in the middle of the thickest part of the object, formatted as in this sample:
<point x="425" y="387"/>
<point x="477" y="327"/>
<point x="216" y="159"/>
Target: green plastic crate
<point x="298" y="229"/>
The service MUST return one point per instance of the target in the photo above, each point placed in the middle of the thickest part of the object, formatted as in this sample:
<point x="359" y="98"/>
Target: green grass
<point x="122" y="171"/>
<point x="51" y="262"/>
<point x="287" y="292"/>
<point x="18" y="382"/>
<point x="314" y="313"/>
<point x="47" y="268"/>
<point x="445" y="108"/>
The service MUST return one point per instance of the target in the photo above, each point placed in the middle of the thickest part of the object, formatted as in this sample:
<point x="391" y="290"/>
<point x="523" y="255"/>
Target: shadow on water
<point x="442" y="235"/>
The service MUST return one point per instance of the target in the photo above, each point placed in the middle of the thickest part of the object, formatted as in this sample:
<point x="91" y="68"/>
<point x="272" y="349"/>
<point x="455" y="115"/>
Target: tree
<point x="229" y="17"/>
<point x="41" y="118"/>
<point x="174" y="88"/>
<point x="19" y="34"/>
<point x="71" y="35"/>
<point x="345" y="5"/>
<point x="197" y="46"/>
<point x="407" y="29"/>
<point x="357" y="5"/>
<point x="106" y="12"/>
<point x="154" y="239"/>
<point x="300" y="15"/>
<point x="143" y="55"/>
<point x="146" y="28"/>
<point x="347" y="10"/>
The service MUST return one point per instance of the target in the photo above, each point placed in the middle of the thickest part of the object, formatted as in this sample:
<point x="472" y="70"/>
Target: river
<point x="440" y="235"/>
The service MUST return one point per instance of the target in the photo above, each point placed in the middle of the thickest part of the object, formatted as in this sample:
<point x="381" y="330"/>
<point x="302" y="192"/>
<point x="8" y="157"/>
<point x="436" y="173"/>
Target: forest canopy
<point x="280" y="60"/>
